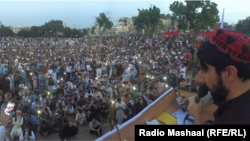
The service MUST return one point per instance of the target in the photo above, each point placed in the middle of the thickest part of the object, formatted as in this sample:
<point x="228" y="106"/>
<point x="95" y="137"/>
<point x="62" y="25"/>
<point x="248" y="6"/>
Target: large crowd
<point x="94" y="79"/>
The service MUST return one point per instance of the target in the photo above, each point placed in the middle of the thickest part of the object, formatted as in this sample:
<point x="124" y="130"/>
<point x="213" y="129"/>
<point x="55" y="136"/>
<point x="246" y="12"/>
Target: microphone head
<point x="203" y="90"/>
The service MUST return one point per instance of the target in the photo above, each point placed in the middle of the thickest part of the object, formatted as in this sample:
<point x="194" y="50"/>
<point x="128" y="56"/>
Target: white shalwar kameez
<point x="17" y="129"/>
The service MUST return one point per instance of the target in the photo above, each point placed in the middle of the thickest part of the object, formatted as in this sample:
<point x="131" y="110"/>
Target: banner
<point x="175" y="26"/>
<point x="222" y="20"/>
<point x="150" y="41"/>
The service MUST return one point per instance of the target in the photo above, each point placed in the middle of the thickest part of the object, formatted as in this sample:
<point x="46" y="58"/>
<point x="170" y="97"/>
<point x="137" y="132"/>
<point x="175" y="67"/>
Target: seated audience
<point x="68" y="131"/>
<point x="80" y="117"/>
<point x="44" y="129"/>
<point x="95" y="127"/>
<point x="27" y="135"/>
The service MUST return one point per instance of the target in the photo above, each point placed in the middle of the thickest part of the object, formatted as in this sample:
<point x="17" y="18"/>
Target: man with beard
<point x="228" y="79"/>
<point x="194" y="62"/>
<point x="18" y="122"/>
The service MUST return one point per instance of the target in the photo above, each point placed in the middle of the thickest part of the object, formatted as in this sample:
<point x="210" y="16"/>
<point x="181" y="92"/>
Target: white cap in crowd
<point x="200" y="38"/>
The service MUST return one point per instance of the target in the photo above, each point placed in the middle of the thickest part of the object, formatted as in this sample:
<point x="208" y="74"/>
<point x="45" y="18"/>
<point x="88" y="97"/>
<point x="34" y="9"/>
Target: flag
<point x="222" y="20"/>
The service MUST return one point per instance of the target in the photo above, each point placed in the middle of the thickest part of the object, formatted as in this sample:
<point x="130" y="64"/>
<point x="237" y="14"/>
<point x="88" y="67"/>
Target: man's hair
<point x="126" y="111"/>
<point x="126" y="95"/>
<point x="119" y="99"/>
<point x="208" y="54"/>
<point x="129" y="105"/>
<point x="115" y="121"/>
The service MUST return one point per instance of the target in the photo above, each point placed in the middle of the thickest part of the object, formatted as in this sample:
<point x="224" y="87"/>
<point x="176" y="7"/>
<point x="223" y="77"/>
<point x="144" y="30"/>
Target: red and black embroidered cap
<point x="233" y="43"/>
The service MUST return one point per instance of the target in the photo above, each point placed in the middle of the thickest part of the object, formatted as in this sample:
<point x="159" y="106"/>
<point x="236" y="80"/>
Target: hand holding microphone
<point x="196" y="104"/>
<point x="203" y="90"/>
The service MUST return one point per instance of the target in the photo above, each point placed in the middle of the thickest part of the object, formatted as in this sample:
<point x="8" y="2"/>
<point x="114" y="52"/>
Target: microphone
<point x="203" y="90"/>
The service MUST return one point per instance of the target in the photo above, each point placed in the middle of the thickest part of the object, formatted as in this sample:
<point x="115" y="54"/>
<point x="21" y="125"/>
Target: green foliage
<point x="93" y="30"/>
<point x="163" y="16"/>
<point x="23" y="33"/>
<point x="54" y="26"/>
<point x="198" y="15"/>
<point x="103" y="23"/>
<point x="49" y="29"/>
<point x="160" y="26"/>
<point x="67" y="32"/>
<point x="85" y="32"/>
<point x="243" y="26"/>
<point x="5" y="31"/>
<point x="76" y="33"/>
<point x="148" y="19"/>
<point x="34" y="31"/>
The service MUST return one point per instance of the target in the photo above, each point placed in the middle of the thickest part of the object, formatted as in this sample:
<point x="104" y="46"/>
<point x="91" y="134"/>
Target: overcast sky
<point x="81" y="13"/>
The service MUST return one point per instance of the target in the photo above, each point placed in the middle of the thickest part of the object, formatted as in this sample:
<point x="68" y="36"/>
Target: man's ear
<point x="231" y="73"/>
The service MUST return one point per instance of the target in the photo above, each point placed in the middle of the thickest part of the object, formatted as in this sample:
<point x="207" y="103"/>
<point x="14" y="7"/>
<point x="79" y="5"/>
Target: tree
<point x="197" y="15"/>
<point x="34" y="31"/>
<point x="93" y="29"/>
<point x="76" y="33"/>
<point x="23" y="33"/>
<point x="243" y="26"/>
<point x="85" y="32"/>
<point x="67" y="32"/>
<point x="163" y="16"/>
<point x="53" y="27"/>
<point x="103" y="23"/>
<point x="5" y="31"/>
<point x="148" y="19"/>
<point x="160" y="26"/>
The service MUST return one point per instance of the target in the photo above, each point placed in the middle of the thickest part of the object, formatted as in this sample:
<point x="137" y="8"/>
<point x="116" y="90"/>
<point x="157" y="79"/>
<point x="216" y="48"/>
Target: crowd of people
<point x="94" y="79"/>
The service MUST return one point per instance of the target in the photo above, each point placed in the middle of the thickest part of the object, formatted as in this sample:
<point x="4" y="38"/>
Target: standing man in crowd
<point x="194" y="62"/>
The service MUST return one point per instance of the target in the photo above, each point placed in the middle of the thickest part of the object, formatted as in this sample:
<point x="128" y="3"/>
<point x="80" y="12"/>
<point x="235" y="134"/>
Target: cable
<point x="118" y="133"/>
<point x="186" y="117"/>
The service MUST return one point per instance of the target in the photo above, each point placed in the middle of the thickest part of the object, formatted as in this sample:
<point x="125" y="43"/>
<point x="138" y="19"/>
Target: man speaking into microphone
<point x="224" y="63"/>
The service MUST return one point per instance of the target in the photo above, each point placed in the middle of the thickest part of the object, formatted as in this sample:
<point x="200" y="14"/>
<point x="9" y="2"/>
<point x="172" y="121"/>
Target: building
<point x="233" y="26"/>
<point x="167" y="23"/>
<point x="218" y="25"/>
<point x="26" y="28"/>
<point x="126" y="25"/>
<point x="123" y="26"/>
<point x="16" y="29"/>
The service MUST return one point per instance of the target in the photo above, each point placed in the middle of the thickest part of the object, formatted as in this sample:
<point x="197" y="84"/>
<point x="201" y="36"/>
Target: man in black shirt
<point x="57" y="123"/>
<point x="81" y="102"/>
<point x="95" y="108"/>
<point x="90" y="116"/>
<point x="68" y="131"/>
<point x="224" y="61"/>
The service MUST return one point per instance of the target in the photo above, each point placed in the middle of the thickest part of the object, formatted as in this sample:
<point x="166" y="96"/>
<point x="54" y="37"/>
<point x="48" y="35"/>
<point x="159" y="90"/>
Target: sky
<point x="80" y="14"/>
